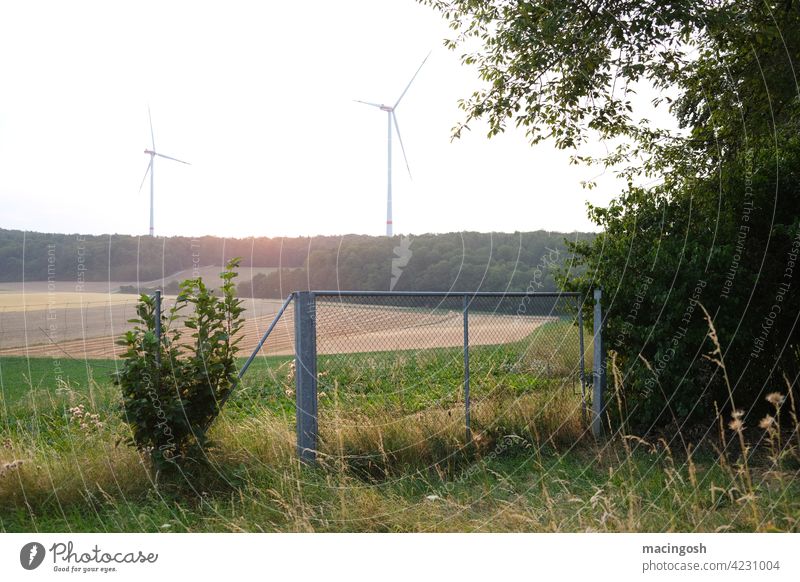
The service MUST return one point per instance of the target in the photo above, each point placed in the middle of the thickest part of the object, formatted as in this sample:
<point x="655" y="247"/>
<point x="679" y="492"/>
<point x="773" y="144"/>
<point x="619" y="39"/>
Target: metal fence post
<point x="599" y="368"/>
<point x="305" y="359"/>
<point x="157" y="317"/>
<point x="466" y="369"/>
<point x="582" y="363"/>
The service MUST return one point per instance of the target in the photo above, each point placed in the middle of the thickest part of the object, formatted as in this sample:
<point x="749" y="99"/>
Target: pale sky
<point x="257" y="96"/>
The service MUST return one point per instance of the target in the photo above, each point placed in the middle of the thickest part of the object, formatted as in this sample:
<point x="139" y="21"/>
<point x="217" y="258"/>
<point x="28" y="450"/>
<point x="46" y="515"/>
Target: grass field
<point x="393" y="457"/>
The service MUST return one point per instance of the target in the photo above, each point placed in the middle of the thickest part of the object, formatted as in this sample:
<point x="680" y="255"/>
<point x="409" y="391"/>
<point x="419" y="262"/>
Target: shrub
<point x="172" y="388"/>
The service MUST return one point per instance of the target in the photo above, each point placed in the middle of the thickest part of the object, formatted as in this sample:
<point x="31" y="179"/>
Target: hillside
<point x="33" y="256"/>
<point x="438" y="262"/>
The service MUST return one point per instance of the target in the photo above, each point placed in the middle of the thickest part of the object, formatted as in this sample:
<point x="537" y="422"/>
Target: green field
<point x="393" y="457"/>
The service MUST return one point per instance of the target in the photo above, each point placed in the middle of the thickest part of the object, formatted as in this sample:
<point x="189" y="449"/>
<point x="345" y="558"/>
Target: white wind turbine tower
<point x="153" y="153"/>
<point x="392" y="118"/>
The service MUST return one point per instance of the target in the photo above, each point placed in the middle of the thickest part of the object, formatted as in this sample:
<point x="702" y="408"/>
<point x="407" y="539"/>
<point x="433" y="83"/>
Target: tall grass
<point x="395" y="459"/>
<point x="536" y="473"/>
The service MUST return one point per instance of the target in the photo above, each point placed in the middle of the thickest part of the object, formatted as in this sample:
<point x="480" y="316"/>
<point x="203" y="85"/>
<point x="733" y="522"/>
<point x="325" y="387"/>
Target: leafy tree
<point x="720" y="227"/>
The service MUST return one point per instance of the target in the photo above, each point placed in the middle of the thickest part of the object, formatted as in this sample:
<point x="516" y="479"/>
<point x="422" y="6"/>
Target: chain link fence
<point x="372" y="357"/>
<point x="390" y="347"/>
<point x="371" y="360"/>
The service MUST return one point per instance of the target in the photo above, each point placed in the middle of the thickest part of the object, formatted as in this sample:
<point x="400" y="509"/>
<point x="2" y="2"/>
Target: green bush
<point x="172" y="388"/>
<point x="728" y="243"/>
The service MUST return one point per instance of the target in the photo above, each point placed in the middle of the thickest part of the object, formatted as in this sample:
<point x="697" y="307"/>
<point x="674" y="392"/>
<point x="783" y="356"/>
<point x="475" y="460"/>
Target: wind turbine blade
<point x="147" y="171"/>
<point x="173" y="159"/>
<point x="152" y="135"/>
<point x="402" y="147"/>
<point x="367" y="103"/>
<point x="411" y="81"/>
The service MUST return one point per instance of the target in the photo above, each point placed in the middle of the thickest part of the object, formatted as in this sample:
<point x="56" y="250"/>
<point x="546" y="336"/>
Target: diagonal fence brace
<point x="256" y="350"/>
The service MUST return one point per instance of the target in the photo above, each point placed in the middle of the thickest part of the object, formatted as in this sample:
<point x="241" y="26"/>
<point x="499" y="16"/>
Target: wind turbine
<point x="392" y="118"/>
<point x="153" y="153"/>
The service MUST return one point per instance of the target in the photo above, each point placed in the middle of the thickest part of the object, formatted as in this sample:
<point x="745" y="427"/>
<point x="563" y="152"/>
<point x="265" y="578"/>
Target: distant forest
<point x="433" y="262"/>
<point x="438" y="262"/>
<point x="133" y="258"/>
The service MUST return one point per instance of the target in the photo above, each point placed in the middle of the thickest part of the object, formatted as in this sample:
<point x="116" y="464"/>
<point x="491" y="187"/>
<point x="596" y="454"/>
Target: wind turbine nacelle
<point x="387" y="108"/>
<point x="149" y="152"/>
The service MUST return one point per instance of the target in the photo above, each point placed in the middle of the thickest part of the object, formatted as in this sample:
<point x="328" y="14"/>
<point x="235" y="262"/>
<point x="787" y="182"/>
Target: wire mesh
<point x="384" y="360"/>
<point x="528" y="342"/>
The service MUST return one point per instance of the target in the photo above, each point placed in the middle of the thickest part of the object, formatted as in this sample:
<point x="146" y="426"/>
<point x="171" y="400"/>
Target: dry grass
<point x="530" y="466"/>
<point x="88" y="466"/>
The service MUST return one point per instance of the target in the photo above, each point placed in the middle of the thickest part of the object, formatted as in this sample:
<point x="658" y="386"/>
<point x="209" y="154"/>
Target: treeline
<point x="70" y="257"/>
<point x="432" y="262"/>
